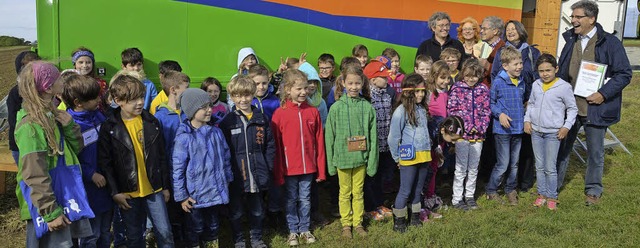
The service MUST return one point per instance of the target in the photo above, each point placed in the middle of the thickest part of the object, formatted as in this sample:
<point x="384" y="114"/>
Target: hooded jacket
<point x="507" y="98"/>
<point x="550" y="110"/>
<point x="201" y="167"/>
<point x="117" y="158"/>
<point x="242" y="54"/>
<point x="90" y="122"/>
<point x="299" y="141"/>
<point x="472" y="105"/>
<point x="253" y="149"/>
<point x="351" y="117"/>
<point x="35" y="163"/>
<point x="315" y="100"/>
<point x="170" y="121"/>
<point x="609" y="51"/>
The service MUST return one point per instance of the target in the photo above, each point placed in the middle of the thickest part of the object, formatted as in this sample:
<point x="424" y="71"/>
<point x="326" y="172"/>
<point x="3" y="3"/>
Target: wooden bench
<point x="6" y="165"/>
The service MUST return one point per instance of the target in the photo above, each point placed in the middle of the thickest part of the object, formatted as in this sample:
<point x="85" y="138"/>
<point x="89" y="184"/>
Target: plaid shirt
<point x="350" y="117"/>
<point x="507" y="98"/>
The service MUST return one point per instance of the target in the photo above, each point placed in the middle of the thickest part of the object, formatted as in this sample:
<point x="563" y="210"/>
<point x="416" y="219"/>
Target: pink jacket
<point x="472" y="105"/>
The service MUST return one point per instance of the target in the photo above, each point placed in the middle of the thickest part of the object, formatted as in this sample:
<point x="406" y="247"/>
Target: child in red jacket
<point x="300" y="153"/>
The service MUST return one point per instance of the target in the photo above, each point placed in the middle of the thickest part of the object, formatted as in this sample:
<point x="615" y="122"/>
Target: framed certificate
<point x="590" y="78"/>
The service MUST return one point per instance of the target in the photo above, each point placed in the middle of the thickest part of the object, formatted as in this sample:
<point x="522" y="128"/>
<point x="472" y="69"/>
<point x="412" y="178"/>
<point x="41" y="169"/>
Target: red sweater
<point x="300" y="150"/>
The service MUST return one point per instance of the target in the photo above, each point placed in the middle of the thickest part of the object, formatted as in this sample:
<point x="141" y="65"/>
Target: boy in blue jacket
<point x="248" y="133"/>
<point x="132" y="60"/>
<point x="507" y="110"/>
<point x="201" y="170"/>
<point x="82" y="97"/>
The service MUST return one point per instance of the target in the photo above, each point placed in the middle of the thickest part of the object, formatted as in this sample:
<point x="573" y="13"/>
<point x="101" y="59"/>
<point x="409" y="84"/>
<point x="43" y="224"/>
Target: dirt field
<point x="11" y="228"/>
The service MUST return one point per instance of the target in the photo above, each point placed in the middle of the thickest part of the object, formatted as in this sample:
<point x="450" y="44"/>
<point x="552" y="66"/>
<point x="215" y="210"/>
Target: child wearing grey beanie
<point x="193" y="99"/>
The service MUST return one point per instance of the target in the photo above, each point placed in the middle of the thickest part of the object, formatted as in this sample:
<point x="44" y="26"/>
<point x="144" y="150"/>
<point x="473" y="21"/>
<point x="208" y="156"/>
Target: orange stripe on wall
<point x="417" y="10"/>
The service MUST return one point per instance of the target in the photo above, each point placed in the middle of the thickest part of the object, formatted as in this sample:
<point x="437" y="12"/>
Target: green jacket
<point x="35" y="163"/>
<point x="350" y="117"/>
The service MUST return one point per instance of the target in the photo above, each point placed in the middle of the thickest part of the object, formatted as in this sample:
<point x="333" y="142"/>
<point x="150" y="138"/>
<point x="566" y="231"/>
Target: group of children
<point x="175" y="162"/>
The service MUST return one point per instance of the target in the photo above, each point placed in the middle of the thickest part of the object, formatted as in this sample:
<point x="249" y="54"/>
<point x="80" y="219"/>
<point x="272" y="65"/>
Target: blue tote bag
<point x="66" y="182"/>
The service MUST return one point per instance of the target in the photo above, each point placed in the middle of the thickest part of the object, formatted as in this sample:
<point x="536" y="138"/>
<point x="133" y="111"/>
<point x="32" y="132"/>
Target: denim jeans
<point x="595" y="155"/>
<point x="239" y="202"/>
<point x="119" y="229"/>
<point x="275" y="198"/>
<point x="202" y="225"/>
<point x="373" y="194"/>
<point x="135" y="220"/>
<point x="545" y="150"/>
<point x="101" y="227"/>
<point x="507" y="155"/>
<point x="298" y="208"/>
<point x="412" y="179"/>
<point x="467" y="160"/>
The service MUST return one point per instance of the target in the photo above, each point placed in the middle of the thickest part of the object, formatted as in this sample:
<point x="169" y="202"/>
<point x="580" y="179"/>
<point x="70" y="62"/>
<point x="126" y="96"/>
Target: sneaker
<point x="346" y="232"/>
<point x="386" y="212"/>
<point x="591" y="200"/>
<point x="471" y="203"/>
<point x="513" y="198"/>
<point x="435" y="215"/>
<point x="308" y="237"/>
<point x="293" y="239"/>
<point x="460" y="205"/>
<point x="540" y="201"/>
<point x="375" y="215"/>
<point x="496" y="198"/>
<point x="360" y="231"/>
<point x="551" y="204"/>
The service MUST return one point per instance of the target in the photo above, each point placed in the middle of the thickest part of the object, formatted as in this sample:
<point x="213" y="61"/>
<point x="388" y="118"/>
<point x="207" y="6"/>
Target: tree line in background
<point x="6" y="41"/>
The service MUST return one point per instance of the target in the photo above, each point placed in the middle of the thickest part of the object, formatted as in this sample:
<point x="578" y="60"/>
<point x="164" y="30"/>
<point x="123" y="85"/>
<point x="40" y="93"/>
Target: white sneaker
<point x="308" y="237"/>
<point x="293" y="239"/>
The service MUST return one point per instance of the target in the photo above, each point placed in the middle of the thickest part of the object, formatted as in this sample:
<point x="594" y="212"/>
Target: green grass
<point x="631" y="42"/>
<point x="614" y="222"/>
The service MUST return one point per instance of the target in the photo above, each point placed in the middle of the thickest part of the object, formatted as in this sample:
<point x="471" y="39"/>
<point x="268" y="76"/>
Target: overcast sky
<point x="18" y="18"/>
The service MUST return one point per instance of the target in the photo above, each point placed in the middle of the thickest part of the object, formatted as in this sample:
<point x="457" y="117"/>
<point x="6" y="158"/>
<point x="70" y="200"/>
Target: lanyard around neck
<point x="349" y="118"/>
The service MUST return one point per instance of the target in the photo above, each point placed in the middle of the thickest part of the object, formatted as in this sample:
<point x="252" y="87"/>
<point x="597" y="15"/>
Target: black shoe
<point x="460" y="205"/>
<point x="471" y="203"/>
<point x="399" y="224"/>
<point x="415" y="220"/>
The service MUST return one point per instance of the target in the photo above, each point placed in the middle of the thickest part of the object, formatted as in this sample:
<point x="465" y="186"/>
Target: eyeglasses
<point x="443" y="26"/>
<point x="325" y="68"/>
<point x="485" y="28"/>
<point x="207" y="105"/>
<point x="577" y="16"/>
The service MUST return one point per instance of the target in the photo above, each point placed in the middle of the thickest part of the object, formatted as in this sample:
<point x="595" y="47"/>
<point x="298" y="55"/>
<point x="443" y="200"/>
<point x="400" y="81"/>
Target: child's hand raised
<point x="121" y="200"/>
<point x="303" y="58"/>
<point x="283" y="65"/>
<point x="505" y="120"/>
<point x="186" y="204"/>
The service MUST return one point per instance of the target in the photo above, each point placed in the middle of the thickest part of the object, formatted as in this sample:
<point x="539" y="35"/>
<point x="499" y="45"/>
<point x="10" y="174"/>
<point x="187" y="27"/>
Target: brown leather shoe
<point x="496" y="198"/>
<point x="591" y="200"/>
<point x="360" y="231"/>
<point x="513" y="198"/>
<point x="346" y="232"/>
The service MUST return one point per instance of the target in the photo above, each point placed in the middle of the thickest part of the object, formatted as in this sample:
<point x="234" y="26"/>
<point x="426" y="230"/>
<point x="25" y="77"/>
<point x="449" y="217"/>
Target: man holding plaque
<point x="588" y="42"/>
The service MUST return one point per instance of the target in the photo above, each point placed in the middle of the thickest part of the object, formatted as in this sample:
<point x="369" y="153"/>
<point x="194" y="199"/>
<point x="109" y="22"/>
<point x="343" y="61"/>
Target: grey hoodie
<point x="551" y="110"/>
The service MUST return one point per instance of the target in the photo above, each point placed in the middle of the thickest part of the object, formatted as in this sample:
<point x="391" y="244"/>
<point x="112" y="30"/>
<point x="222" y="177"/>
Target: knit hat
<point x="375" y="69"/>
<point x="193" y="99"/>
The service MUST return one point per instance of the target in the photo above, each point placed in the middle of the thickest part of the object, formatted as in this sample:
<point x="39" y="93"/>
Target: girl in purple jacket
<point x="469" y="100"/>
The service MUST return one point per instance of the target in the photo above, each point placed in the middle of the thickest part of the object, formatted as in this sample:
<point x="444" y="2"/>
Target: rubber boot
<point x="415" y="215"/>
<point x="400" y="220"/>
